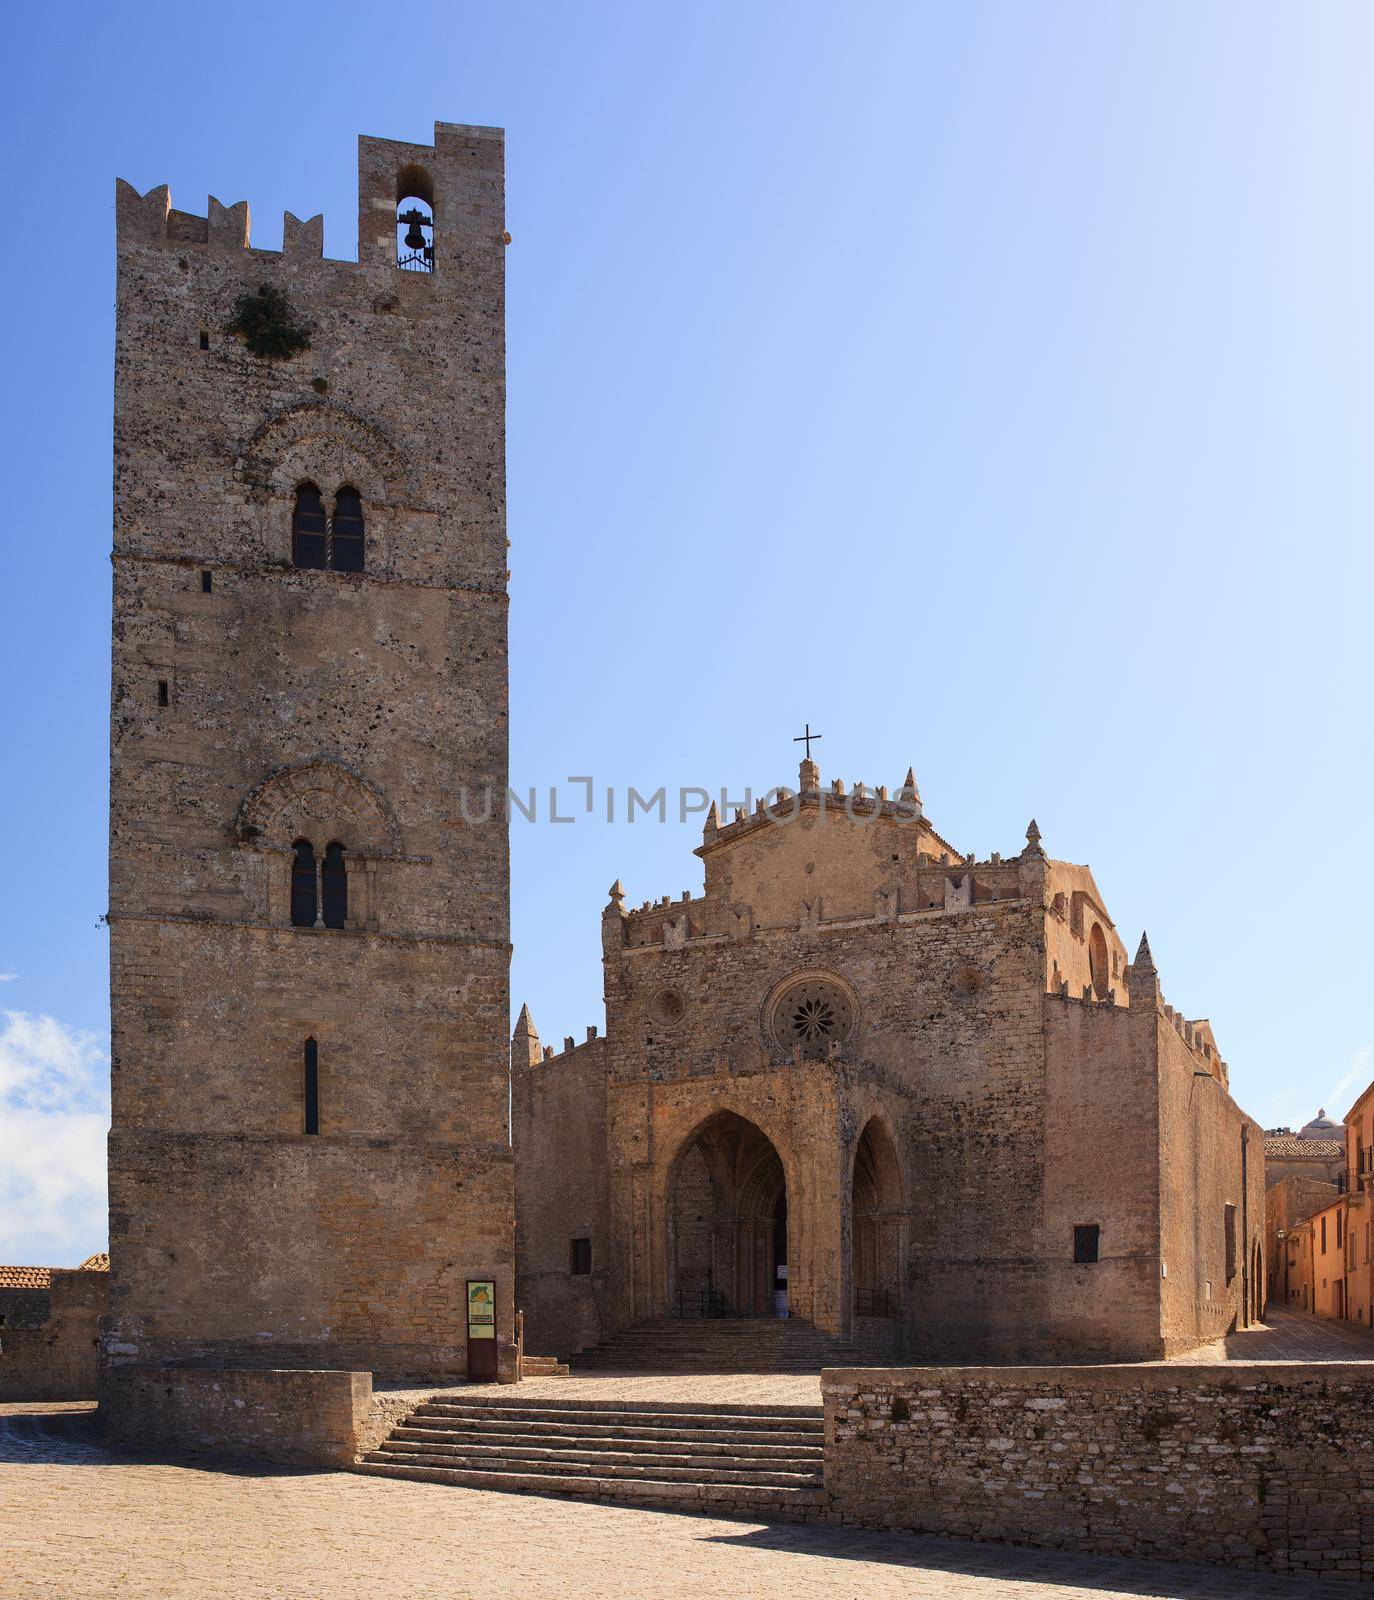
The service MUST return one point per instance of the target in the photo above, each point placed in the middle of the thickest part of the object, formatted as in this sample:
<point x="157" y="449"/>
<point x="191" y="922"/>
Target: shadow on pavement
<point x="1160" y="1580"/>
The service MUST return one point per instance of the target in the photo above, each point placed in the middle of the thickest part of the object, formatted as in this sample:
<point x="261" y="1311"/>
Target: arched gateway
<point x="727" y="1222"/>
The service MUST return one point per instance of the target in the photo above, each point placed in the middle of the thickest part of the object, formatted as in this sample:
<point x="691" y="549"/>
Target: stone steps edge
<point x="698" y="1463"/>
<point x="610" y="1473"/>
<point x="558" y="1409"/>
<point x="593" y="1488"/>
<point x="762" y="1448"/>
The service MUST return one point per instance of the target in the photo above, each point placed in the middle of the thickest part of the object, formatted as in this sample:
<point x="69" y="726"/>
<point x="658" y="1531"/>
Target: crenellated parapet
<point x="815" y="857"/>
<point x="938" y="889"/>
<point x="458" y="178"/>
<point x="528" y="1052"/>
<point x="1141" y="990"/>
<point x="151" y="219"/>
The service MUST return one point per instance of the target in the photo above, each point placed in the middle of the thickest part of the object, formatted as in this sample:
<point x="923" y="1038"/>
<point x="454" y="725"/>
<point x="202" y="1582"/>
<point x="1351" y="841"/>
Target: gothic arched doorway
<point x="876" y="1225"/>
<point x="727" y="1223"/>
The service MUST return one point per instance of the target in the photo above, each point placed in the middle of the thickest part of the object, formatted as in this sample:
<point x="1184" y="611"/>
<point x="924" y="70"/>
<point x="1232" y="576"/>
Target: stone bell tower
<point x="309" y="944"/>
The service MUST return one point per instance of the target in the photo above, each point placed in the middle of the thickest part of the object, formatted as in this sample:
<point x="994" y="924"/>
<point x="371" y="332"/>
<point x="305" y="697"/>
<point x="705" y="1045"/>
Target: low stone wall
<point x="300" y="1418"/>
<point x="48" y="1337"/>
<point x="1266" y="1466"/>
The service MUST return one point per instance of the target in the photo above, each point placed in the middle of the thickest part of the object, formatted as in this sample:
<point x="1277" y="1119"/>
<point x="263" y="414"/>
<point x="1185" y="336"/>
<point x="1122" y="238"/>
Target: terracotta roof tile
<point x="25" y="1277"/>
<point x="96" y="1263"/>
<point x="1288" y="1144"/>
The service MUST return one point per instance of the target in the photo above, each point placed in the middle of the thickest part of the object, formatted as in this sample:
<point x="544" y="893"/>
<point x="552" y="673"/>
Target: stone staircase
<point x="738" y="1344"/>
<point x="749" y="1460"/>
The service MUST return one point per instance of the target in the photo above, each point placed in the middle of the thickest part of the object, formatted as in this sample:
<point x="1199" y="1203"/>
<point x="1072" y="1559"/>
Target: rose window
<point x="814" y="1014"/>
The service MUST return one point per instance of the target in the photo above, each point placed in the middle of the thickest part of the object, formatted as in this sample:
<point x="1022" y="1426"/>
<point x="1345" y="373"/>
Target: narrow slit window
<point x="207" y="582"/>
<point x="1085" y="1239"/>
<point x="312" y="1086"/>
<point x="346" y="532"/>
<point x="163" y="693"/>
<point x="581" y="1257"/>
<point x="335" y="887"/>
<point x="308" y="531"/>
<point x="204" y="340"/>
<point x="303" y="885"/>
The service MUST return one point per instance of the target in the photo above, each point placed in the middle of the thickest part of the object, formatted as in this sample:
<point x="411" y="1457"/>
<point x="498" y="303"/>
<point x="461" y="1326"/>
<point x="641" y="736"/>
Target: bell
<point x="415" y="238"/>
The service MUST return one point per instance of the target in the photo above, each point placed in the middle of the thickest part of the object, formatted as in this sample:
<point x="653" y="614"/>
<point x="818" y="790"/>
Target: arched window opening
<point x="1098" y="963"/>
<point x="308" y="530"/>
<point x="414" y="220"/>
<point x="303" y="904"/>
<point x="335" y="887"/>
<point x="346" y="532"/>
<point x="311" y="1086"/>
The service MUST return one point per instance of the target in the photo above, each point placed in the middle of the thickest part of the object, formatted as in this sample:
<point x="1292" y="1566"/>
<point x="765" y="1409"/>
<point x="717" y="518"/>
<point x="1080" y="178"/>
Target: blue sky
<point x="987" y="384"/>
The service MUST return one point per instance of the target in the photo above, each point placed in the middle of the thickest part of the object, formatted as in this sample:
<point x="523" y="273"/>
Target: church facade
<point x="924" y="1102"/>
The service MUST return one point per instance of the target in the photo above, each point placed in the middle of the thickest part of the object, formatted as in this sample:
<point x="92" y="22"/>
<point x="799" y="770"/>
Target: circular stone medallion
<point x="814" y="1013"/>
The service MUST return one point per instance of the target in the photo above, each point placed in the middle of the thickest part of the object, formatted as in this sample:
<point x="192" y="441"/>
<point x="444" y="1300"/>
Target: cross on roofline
<point x="806" y="738"/>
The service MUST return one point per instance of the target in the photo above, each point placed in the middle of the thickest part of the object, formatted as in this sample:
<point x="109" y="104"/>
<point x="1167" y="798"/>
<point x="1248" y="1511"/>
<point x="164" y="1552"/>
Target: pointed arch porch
<point x="878" y="1232"/>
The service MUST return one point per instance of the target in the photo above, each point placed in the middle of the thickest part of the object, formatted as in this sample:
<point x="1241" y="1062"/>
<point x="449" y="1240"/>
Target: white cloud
<point x="1292" y="1106"/>
<point x="1351" y="1083"/>
<point x="8" y="977"/>
<point x="54" y="1113"/>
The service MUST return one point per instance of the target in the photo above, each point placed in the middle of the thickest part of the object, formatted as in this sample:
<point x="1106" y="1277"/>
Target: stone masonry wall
<point x="1101" y="1168"/>
<point x="48" y="1349"/>
<point x="300" y="1418"/>
<point x="558" y="1132"/>
<point x="1211" y="1158"/>
<point x="354" y="1274"/>
<point x="1265" y="1467"/>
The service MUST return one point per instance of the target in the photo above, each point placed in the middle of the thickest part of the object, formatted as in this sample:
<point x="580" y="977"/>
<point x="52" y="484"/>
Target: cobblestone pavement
<point x="77" y="1523"/>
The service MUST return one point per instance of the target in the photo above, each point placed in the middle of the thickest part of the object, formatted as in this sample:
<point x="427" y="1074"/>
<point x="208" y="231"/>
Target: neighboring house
<point x="1359" y="1145"/>
<point x="1326" y="1260"/>
<point x="1289" y="1204"/>
<point x="1322" y="1232"/>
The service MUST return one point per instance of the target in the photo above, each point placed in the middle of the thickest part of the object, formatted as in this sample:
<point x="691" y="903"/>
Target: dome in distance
<point x="1322" y="1127"/>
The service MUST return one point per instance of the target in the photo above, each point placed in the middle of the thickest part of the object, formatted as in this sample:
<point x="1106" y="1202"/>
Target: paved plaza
<point x="80" y="1523"/>
<point x="77" y="1523"/>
